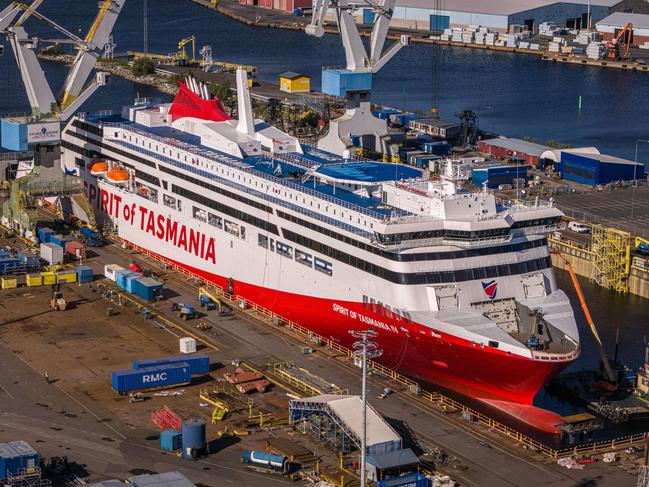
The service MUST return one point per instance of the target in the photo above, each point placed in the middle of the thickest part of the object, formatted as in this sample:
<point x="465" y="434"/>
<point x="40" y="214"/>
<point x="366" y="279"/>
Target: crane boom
<point x="582" y="300"/>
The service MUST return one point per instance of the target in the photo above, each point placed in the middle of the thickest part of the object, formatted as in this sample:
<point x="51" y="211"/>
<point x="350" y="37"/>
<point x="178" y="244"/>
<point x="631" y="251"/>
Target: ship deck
<point x="288" y="169"/>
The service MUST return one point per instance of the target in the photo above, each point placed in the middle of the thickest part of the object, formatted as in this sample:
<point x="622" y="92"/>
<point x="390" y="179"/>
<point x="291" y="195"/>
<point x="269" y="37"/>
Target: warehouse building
<point x="594" y="169"/>
<point x="497" y="15"/>
<point x="610" y="26"/>
<point x="514" y="149"/>
<point x="499" y="175"/>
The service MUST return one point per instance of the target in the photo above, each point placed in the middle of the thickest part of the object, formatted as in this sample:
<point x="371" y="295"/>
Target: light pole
<point x="365" y="348"/>
<point x="635" y="174"/>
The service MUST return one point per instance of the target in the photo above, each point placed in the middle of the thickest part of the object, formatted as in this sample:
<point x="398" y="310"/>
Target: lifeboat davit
<point x="117" y="175"/>
<point x="99" y="168"/>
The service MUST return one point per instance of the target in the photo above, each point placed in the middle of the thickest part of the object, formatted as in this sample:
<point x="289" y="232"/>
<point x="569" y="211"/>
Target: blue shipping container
<point x="129" y="280"/>
<point x="16" y="456"/>
<point x="198" y="364"/>
<point x="8" y="264"/>
<point x="29" y="260"/>
<point x="170" y="440"/>
<point x="384" y="113"/>
<point x="122" y="275"/>
<point x="410" y="480"/>
<point x="169" y="375"/>
<point x="147" y="288"/>
<point x="59" y="239"/>
<point x="496" y="175"/>
<point x="84" y="274"/>
<point x="44" y="234"/>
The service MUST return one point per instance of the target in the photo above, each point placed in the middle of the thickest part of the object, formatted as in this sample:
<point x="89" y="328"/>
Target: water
<point x="516" y="95"/>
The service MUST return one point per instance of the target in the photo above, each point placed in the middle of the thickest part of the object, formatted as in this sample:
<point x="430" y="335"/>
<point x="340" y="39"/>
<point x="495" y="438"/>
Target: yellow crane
<point x="182" y="54"/>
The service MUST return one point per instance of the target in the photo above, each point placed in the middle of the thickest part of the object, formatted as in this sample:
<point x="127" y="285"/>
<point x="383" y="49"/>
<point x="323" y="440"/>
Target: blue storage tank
<point x="194" y="438"/>
<point x="198" y="364"/>
<point x="410" y="480"/>
<point x="171" y="440"/>
<point x="338" y="82"/>
<point x="58" y="239"/>
<point x="168" y="375"/>
<point x="265" y="460"/>
<point x="147" y="288"/>
<point x="44" y="234"/>
<point x="84" y="274"/>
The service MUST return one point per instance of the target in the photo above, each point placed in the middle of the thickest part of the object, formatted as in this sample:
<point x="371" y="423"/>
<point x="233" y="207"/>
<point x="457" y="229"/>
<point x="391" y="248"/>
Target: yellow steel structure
<point x="104" y="7"/>
<point x="220" y="411"/>
<point x="611" y="258"/>
<point x="182" y="54"/>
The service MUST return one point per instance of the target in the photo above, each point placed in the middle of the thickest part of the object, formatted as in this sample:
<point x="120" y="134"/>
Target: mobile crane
<point x="613" y="46"/>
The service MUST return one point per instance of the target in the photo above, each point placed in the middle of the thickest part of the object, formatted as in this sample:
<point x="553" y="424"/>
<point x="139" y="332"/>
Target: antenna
<point x="365" y="348"/>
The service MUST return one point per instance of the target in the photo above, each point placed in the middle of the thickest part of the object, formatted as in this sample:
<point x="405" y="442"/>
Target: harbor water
<point x="516" y="95"/>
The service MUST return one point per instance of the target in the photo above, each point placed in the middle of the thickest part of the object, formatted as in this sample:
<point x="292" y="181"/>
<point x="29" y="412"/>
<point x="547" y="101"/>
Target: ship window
<point x="262" y="240"/>
<point x="303" y="258"/>
<point x="232" y="228"/>
<point x="215" y="221"/>
<point x="285" y="250"/>
<point x="323" y="266"/>
<point x="179" y="205"/>
<point x="365" y="302"/>
<point x="169" y="201"/>
<point x="243" y="232"/>
<point x="272" y="245"/>
<point x="199" y="214"/>
<point x="373" y="305"/>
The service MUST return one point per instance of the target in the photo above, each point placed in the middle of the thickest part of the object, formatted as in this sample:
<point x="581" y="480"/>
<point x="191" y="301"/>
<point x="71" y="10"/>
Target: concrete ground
<point x="79" y="416"/>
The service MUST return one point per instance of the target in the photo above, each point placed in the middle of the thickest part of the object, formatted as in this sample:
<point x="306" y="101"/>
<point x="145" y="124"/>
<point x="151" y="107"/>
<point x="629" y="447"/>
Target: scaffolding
<point x="30" y="477"/>
<point x="611" y="258"/>
<point x="309" y="382"/>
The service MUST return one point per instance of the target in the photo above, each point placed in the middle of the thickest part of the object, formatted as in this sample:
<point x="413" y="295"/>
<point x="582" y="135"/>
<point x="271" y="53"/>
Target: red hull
<point x="448" y="361"/>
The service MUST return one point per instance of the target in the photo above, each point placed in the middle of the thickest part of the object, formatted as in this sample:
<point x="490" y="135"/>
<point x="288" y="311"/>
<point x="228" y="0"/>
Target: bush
<point x="55" y="50"/>
<point x="142" y="66"/>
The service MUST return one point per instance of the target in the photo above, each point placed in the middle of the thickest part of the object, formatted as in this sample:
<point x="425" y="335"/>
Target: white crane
<point x="75" y="90"/>
<point x="361" y="64"/>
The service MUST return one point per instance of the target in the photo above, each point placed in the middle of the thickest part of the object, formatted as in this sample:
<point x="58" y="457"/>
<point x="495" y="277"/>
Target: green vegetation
<point x="55" y="50"/>
<point x="142" y="66"/>
<point x="558" y="145"/>
<point x="224" y="94"/>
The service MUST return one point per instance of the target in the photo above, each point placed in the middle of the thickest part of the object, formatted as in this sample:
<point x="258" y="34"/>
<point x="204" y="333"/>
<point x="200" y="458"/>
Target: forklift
<point x="185" y="311"/>
<point x="57" y="302"/>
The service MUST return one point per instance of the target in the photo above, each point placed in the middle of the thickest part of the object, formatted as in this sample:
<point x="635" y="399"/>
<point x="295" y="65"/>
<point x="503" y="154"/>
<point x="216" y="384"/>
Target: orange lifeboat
<point x="117" y="175"/>
<point x="99" y="168"/>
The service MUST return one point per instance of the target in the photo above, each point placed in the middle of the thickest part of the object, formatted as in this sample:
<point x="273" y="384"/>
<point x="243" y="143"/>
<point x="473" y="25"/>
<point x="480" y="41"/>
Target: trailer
<point x="266" y="461"/>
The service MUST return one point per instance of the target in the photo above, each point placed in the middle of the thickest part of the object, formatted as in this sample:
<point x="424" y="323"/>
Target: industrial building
<point x="552" y="157"/>
<point x="515" y="149"/>
<point x="166" y="479"/>
<point x="283" y="5"/>
<point x="495" y="175"/>
<point x="436" y="127"/>
<point x="610" y="26"/>
<point x="497" y="15"/>
<point x="291" y="82"/>
<point x="594" y="169"/>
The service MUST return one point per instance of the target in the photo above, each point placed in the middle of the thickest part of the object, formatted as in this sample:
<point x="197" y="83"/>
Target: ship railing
<point x="554" y="357"/>
<point x="232" y="162"/>
<point x="245" y="189"/>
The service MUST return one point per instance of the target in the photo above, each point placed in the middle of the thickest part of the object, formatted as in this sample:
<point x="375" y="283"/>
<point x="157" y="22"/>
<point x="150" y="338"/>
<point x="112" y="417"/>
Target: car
<point x="579" y="227"/>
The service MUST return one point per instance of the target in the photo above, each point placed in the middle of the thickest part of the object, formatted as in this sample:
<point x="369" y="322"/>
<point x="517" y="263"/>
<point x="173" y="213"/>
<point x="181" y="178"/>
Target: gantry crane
<point x="75" y="90"/>
<point x="182" y="54"/>
<point x="361" y="65"/>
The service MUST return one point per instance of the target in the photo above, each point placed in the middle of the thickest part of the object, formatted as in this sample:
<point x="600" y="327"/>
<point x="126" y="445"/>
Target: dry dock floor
<point x="80" y="416"/>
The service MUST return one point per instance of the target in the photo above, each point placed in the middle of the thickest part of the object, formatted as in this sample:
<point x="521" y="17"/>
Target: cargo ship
<point x="458" y="285"/>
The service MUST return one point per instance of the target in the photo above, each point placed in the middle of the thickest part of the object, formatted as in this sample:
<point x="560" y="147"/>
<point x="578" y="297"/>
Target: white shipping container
<point x="110" y="270"/>
<point x="187" y="345"/>
<point x="52" y="253"/>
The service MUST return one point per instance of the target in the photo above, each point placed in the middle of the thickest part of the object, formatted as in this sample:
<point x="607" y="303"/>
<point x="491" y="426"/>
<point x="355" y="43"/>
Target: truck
<point x="91" y="237"/>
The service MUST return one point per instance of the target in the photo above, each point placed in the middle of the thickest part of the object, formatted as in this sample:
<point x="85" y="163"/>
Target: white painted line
<point x="8" y="393"/>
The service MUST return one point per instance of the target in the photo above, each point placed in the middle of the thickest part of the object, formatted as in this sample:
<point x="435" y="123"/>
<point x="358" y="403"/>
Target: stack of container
<point x="547" y="29"/>
<point x="595" y="50"/>
<point x="161" y="376"/>
<point x="456" y="36"/>
<point x="490" y="38"/>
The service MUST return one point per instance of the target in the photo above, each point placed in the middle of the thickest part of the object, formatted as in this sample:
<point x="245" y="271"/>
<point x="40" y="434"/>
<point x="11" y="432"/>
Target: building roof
<point x="436" y="122"/>
<point x="555" y="154"/>
<point x="620" y="19"/>
<point x="497" y="7"/>
<point x="166" y="479"/>
<point x="518" y="145"/>
<point x="393" y="459"/>
<point x="292" y="75"/>
<point x="350" y="410"/>
<point x="606" y="159"/>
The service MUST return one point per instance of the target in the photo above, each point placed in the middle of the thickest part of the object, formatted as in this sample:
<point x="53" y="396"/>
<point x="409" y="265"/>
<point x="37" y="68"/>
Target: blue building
<point x="496" y="174"/>
<point x="594" y="169"/>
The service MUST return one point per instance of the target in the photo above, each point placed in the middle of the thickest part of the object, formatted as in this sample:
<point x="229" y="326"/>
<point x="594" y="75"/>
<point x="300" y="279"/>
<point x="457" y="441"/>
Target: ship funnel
<point x="246" y="120"/>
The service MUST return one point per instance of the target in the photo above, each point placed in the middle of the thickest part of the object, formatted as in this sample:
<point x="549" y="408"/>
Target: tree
<point x="142" y="66"/>
<point x="55" y="50"/>
<point x="558" y="145"/>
